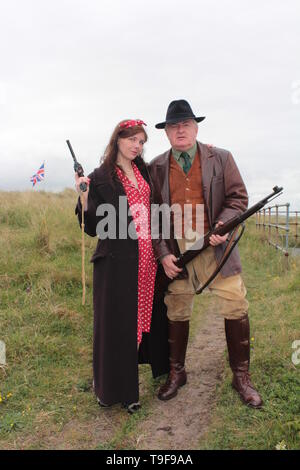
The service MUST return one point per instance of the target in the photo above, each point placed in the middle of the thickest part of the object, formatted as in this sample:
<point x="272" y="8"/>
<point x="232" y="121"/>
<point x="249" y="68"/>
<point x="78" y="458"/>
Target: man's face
<point x="182" y="135"/>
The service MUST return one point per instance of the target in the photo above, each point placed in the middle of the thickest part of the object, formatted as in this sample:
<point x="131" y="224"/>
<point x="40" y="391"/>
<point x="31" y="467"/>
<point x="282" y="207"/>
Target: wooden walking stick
<point x="82" y="251"/>
<point x="83" y="187"/>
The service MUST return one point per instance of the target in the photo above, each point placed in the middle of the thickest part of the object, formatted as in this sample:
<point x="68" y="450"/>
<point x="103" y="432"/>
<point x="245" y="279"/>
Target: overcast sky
<point x="71" y="69"/>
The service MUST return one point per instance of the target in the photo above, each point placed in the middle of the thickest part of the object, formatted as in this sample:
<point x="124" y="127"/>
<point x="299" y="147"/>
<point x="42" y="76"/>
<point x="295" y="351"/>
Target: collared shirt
<point x="191" y="152"/>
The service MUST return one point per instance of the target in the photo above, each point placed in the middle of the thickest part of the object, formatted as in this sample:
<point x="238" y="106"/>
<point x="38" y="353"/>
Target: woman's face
<point x="130" y="147"/>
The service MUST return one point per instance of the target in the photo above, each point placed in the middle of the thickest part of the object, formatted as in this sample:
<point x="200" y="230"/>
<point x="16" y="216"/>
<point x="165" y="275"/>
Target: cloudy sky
<point x="71" y="69"/>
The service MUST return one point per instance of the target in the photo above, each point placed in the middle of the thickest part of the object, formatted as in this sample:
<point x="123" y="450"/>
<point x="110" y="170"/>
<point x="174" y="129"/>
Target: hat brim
<point x="162" y="125"/>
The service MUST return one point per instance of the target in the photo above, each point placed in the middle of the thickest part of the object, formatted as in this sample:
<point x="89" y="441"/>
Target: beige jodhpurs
<point x="230" y="291"/>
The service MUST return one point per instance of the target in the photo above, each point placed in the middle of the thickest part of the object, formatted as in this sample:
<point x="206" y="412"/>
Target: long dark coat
<point x="115" y="301"/>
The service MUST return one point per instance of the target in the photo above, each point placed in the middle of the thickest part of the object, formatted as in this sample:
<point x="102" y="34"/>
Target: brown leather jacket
<point x="224" y="193"/>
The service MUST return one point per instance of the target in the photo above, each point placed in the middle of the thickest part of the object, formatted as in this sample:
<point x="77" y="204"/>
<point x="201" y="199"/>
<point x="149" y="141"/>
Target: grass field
<point x="46" y="384"/>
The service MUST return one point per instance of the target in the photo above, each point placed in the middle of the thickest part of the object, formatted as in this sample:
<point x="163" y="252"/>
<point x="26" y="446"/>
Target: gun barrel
<point x="71" y="150"/>
<point x="276" y="191"/>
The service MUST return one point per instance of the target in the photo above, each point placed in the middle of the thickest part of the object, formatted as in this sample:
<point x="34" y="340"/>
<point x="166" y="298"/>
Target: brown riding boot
<point x="238" y="342"/>
<point x="178" y="339"/>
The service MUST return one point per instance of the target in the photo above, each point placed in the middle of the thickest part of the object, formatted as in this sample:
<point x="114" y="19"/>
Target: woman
<point x="126" y="330"/>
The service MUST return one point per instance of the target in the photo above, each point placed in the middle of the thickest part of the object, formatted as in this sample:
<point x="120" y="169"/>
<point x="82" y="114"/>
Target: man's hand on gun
<point x="170" y="267"/>
<point x="215" y="240"/>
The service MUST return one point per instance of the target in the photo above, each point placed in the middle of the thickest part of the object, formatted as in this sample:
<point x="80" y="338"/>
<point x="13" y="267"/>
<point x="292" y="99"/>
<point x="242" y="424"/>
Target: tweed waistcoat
<point x="187" y="189"/>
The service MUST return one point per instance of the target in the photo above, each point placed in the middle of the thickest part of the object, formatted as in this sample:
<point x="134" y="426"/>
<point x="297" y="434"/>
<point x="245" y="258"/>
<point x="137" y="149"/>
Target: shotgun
<point x="162" y="280"/>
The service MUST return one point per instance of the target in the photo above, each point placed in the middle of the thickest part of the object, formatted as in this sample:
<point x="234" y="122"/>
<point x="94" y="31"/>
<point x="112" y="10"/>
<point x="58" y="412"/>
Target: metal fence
<point x="281" y="225"/>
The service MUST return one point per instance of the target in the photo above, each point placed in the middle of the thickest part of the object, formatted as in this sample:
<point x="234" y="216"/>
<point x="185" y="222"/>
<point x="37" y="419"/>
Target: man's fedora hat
<point x="178" y="110"/>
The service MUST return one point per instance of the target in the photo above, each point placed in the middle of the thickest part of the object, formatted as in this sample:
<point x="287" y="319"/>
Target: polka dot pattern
<point x="139" y="204"/>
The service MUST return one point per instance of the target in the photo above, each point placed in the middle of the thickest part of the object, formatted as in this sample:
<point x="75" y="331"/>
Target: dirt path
<point x="175" y="424"/>
<point x="180" y="422"/>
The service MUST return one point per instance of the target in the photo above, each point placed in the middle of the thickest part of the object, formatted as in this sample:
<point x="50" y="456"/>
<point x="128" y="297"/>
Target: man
<point x="197" y="174"/>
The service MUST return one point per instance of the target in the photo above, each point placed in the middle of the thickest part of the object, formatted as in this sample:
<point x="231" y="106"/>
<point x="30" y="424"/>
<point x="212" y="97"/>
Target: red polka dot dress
<point x="139" y="203"/>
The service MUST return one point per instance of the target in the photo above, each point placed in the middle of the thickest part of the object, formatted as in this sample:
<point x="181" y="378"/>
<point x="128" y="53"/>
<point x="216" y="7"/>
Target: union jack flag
<point x="39" y="175"/>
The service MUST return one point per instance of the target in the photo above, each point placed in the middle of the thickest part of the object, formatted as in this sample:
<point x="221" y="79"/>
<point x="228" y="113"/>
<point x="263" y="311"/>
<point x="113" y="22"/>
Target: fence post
<point x="276" y="241"/>
<point x="270" y="224"/>
<point x="287" y="226"/>
<point x="287" y="234"/>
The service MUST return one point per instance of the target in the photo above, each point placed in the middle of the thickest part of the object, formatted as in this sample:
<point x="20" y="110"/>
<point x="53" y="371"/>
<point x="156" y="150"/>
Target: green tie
<point x="187" y="162"/>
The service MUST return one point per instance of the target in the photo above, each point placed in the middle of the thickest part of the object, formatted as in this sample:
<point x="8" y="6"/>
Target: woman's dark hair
<point x="110" y="154"/>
